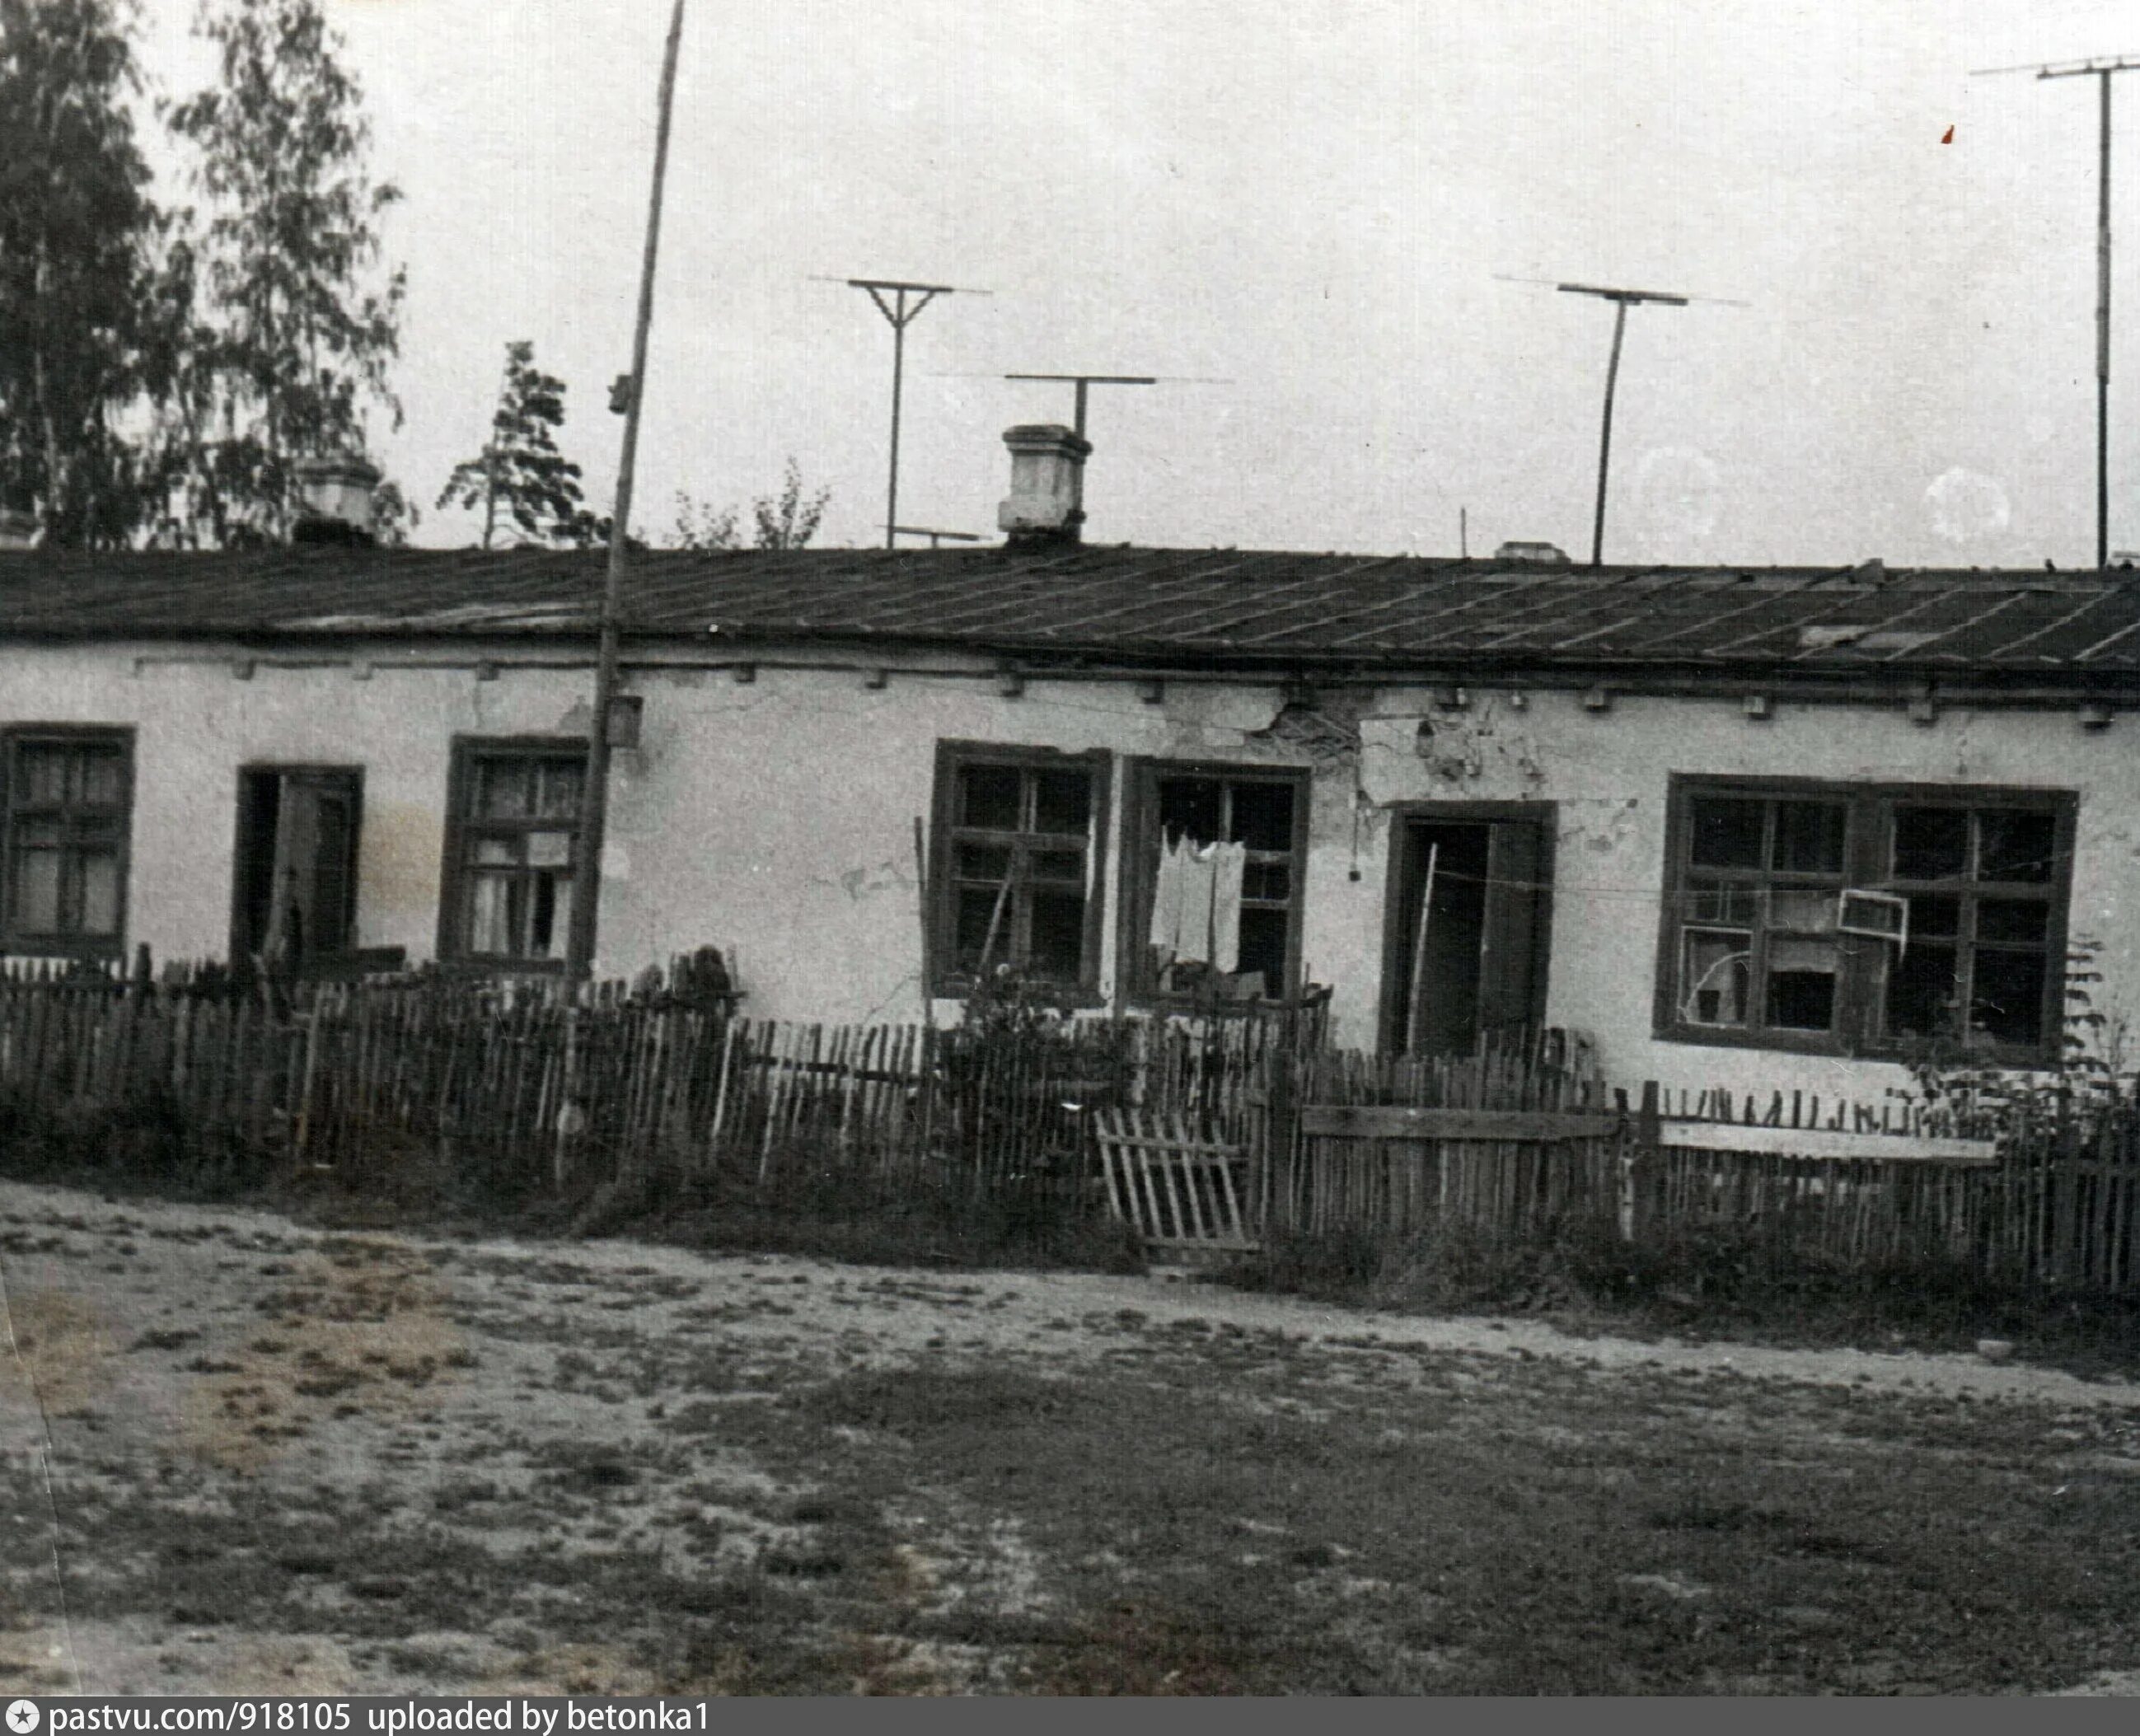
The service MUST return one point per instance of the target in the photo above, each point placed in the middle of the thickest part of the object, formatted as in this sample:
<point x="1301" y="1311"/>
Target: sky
<point x="1303" y="214"/>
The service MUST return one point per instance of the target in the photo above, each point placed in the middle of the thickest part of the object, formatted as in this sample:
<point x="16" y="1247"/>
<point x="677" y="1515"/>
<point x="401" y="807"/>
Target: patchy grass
<point x="1551" y="1535"/>
<point x="382" y="1466"/>
<point x="1732" y="1282"/>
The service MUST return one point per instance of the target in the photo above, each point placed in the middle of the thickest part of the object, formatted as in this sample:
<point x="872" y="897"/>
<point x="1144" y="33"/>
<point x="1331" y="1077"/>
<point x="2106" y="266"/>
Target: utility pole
<point x="1621" y="300"/>
<point x="2102" y="70"/>
<point x="594" y="793"/>
<point x="899" y="313"/>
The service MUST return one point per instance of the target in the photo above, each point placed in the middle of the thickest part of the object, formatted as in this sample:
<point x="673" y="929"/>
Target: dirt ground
<point x="244" y="1457"/>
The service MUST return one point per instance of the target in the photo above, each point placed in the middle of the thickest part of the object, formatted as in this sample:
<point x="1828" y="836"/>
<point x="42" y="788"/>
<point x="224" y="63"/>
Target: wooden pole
<point x="1605" y="434"/>
<point x="1418" y="985"/>
<point x="594" y="795"/>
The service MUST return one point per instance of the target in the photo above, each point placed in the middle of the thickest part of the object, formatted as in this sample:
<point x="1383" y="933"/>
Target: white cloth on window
<point x="1228" y="862"/>
<point x="1196" y="905"/>
<point x="1164" y="931"/>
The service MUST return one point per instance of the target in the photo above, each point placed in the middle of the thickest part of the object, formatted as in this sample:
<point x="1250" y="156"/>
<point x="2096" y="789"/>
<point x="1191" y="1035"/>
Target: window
<point x="1019" y="852"/>
<point x="512" y="845"/>
<point x="1754" y="952"/>
<point x="69" y="801"/>
<point x="1265" y="814"/>
<point x="1984" y="887"/>
<point x="294" y="893"/>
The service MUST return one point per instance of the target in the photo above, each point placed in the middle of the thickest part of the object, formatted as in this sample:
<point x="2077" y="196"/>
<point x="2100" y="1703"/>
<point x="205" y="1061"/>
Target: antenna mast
<point x="899" y="314"/>
<point x="1083" y="382"/>
<point x="2102" y="71"/>
<point x="1621" y="301"/>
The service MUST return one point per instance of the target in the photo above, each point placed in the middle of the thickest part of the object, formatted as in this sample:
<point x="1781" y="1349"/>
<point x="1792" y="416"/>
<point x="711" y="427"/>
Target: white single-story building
<point x="1768" y="829"/>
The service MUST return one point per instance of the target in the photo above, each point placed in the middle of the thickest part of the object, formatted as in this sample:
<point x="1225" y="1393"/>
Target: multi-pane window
<point x="68" y="800"/>
<point x="1983" y="885"/>
<point x="512" y="849"/>
<point x="1757" y="898"/>
<point x="1018" y="865"/>
<point x="1265" y="815"/>
<point x="1758" y="948"/>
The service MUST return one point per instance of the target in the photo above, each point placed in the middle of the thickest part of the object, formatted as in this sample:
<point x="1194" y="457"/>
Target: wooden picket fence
<point x="1207" y="1135"/>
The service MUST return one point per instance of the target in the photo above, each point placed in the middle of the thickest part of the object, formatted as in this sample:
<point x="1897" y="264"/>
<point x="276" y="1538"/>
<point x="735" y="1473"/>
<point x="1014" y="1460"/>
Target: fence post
<point x="1638" y="1153"/>
<point x="1277" y="1181"/>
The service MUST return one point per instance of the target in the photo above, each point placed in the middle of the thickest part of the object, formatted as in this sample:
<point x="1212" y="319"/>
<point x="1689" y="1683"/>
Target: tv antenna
<point x="2102" y="70"/>
<point x="899" y="313"/>
<point x="1084" y="383"/>
<point x="1623" y="300"/>
<point x="937" y="539"/>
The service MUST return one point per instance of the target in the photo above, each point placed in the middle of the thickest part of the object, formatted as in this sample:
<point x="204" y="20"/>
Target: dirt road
<point x="283" y="1460"/>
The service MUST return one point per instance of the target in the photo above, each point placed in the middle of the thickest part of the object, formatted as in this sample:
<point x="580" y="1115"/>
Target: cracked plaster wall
<point x="775" y="819"/>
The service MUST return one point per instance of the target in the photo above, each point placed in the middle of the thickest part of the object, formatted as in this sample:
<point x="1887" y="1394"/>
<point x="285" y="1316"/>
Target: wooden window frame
<point x="322" y="962"/>
<point x="1862" y="962"/>
<point x="98" y="947"/>
<point x="946" y="980"/>
<point x="452" y="950"/>
<point x="1393" y="1007"/>
<point x="1139" y="873"/>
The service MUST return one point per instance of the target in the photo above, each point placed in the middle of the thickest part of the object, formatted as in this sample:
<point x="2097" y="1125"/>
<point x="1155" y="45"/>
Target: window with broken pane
<point x="514" y="851"/>
<point x="1018" y="862"/>
<point x="1756" y="907"/>
<point x="67" y="818"/>
<point x="1752" y="900"/>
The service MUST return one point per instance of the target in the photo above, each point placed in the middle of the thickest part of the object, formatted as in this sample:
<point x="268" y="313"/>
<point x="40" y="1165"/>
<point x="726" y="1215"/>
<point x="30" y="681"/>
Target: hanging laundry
<point x="1229" y="863"/>
<point x="1195" y="877"/>
<point x="1165" y="932"/>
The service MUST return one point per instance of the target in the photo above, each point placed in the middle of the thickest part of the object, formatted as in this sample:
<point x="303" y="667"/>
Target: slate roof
<point x="1141" y="604"/>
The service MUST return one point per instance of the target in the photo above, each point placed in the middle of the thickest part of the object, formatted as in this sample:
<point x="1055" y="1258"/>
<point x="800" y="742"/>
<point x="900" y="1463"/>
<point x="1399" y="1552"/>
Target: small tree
<point x="789" y="519"/>
<point x="700" y="527"/>
<point x="521" y="472"/>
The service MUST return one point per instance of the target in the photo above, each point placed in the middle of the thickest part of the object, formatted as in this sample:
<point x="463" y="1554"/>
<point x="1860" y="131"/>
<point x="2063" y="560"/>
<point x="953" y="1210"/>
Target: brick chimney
<point x="1047" y="499"/>
<point x="335" y="499"/>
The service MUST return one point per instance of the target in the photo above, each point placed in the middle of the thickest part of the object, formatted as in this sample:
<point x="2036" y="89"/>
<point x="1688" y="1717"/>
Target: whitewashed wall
<point x="775" y="818"/>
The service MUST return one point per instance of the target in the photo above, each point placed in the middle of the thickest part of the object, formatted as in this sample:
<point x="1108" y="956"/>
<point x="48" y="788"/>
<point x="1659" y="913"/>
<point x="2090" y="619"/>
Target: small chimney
<point x="1046" y="500"/>
<point x="18" y="530"/>
<point x="335" y="499"/>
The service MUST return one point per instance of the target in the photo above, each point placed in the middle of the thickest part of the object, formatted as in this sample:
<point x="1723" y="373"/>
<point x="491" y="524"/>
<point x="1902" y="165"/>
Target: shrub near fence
<point x="498" y="1091"/>
<point x="495" y="1093"/>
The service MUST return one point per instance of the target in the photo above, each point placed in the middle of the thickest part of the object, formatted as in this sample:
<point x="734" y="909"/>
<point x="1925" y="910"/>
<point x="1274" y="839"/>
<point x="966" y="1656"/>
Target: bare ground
<point x="282" y="1460"/>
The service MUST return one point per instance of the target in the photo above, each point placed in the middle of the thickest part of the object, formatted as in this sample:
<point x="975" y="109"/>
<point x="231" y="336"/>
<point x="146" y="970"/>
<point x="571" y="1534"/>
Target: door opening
<point x="1468" y="925"/>
<point x="295" y="898"/>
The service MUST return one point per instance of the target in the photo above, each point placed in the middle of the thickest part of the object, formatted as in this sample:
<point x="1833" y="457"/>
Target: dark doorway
<point x="1468" y="924"/>
<point x="294" y="903"/>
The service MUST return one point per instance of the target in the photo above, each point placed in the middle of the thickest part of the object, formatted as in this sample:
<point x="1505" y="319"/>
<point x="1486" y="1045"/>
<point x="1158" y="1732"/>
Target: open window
<point x="1214" y="866"/>
<point x="1469" y="923"/>
<point x="294" y="896"/>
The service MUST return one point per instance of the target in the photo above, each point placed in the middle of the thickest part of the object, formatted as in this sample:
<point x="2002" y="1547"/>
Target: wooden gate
<point x="1182" y="1194"/>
